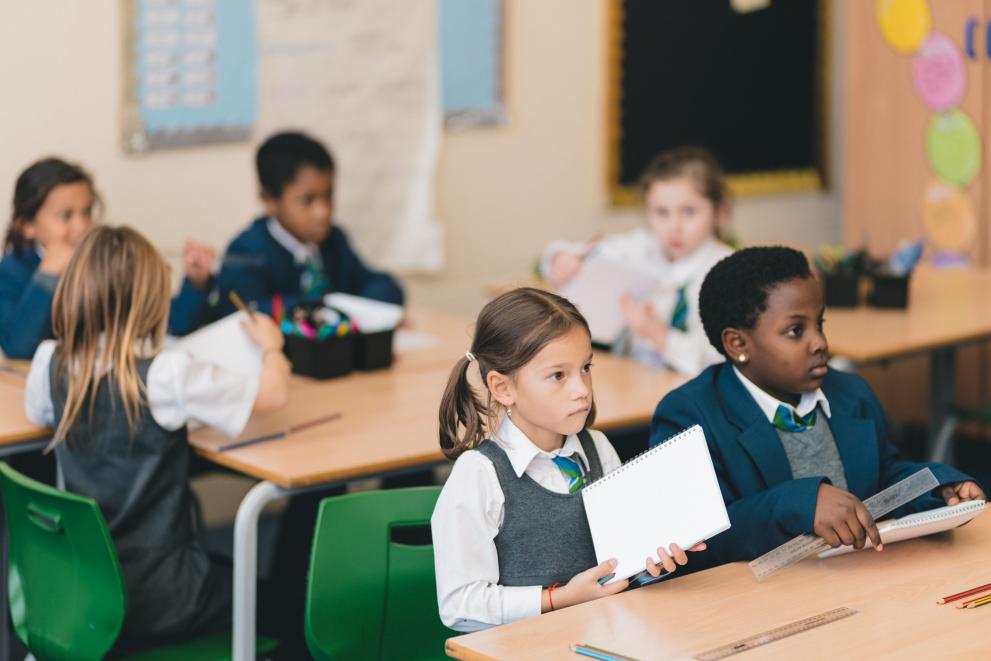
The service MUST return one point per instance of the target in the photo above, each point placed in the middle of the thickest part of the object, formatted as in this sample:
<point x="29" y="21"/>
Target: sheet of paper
<point x="224" y="343"/>
<point x="596" y="292"/>
<point x="667" y="495"/>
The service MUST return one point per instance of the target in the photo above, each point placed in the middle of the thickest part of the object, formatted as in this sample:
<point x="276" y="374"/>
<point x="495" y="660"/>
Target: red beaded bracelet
<point x="550" y="594"/>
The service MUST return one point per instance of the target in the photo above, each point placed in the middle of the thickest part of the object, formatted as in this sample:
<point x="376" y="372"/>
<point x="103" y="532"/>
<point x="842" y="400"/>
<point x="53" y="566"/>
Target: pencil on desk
<point x="978" y="602"/>
<point x="237" y="445"/>
<point x="599" y="653"/>
<point x="236" y="300"/>
<point x="965" y="593"/>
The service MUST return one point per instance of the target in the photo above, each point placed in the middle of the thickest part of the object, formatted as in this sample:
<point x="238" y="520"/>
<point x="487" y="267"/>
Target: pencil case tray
<point x="373" y="351"/>
<point x="841" y="291"/>
<point x="320" y="359"/>
<point x="889" y="291"/>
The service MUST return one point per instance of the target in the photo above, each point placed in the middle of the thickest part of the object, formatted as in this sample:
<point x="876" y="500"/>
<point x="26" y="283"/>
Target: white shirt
<point x="300" y="251"/>
<point x="769" y="405"/>
<point x="468" y="516"/>
<point x="688" y="351"/>
<point x="178" y="391"/>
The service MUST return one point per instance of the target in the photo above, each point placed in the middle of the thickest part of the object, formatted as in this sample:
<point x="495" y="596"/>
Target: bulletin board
<point x="750" y="86"/>
<point x="190" y="69"/>
<point x="471" y="58"/>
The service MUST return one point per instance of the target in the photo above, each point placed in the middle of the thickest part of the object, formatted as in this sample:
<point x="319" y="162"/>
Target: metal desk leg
<point x="246" y="567"/>
<point x="942" y="395"/>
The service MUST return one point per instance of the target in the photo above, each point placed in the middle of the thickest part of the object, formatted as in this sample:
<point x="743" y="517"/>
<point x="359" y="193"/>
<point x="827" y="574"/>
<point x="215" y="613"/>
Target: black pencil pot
<point x="889" y="291"/>
<point x="373" y="351"/>
<point x="320" y="359"/>
<point x="841" y="290"/>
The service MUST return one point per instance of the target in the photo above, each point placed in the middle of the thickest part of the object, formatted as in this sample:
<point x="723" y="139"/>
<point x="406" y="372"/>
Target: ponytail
<point x="462" y="413"/>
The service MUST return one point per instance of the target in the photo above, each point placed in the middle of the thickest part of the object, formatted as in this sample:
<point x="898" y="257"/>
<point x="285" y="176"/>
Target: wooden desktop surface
<point x="14" y="425"/>
<point x="389" y="421"/>
<point x="388" y="418"/>
<point x="895" y="592"/>
<point x="945" y="308"/>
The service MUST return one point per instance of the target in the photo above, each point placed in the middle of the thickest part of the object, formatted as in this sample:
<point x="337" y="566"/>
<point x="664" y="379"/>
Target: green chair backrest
<point x="370" y="597"/>
<point x="66" y="590"/>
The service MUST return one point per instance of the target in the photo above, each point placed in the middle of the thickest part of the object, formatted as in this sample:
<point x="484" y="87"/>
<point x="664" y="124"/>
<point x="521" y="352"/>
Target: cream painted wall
<point x="501" y="192"/>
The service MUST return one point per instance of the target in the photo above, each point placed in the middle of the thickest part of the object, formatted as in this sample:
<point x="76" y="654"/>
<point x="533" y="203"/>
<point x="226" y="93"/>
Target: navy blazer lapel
<point x="757" y="435"/>
<point x="856" y="440"/>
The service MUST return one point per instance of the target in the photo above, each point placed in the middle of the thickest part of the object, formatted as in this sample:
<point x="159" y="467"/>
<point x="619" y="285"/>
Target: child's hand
<point x="841" y="518"/>
<point x="585" y="586"/>
<point x="954" y="493"/>
<point x="670" y="562"/>
<point x="197" y="261"/>
<point x="56" y="259"/>
<point x="643" y="321"/>
<point x="264" y="332"/>
<point x="563" y="267"/>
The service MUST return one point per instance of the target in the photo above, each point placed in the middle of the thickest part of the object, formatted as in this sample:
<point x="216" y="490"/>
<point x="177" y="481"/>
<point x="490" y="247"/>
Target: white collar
<point x="299" y="250"/>
<point x="699" y="262"/>
<point x="522" y="451"/>
<point x="769" y="405"/>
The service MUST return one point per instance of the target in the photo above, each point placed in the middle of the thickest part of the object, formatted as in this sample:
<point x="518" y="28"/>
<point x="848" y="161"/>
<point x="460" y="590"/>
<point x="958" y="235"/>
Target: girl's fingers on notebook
<point x="666" y="560"/>
<point x="698" y="547"/>
<point x="678" y="555"/>
<point x="970" y="491"/>
<point x="652" y="568"/>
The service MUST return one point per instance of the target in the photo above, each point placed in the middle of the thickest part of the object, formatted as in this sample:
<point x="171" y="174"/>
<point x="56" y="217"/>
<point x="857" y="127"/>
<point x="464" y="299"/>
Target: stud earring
<point x="743" y="358"/>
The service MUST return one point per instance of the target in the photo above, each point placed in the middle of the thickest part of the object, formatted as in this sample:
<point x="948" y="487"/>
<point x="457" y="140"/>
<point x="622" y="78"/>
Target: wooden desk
<point x="895" y="592"/>
<point x="14" y="426"/>
<point x="388" y="424"/>
<point x="946" y="310"/>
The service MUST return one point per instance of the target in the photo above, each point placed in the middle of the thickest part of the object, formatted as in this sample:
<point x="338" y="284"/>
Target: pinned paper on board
<point x="938" y="73"/>
<point x="948" y="217"/>
<point x="904" y="23"/>
<point x="954" y="147"/>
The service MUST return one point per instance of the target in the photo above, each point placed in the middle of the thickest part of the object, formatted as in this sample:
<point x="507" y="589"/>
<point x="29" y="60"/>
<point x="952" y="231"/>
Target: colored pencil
<point x="599" y="653"/>
<point x="236" y="300"/>
<point x="279" y="434"/>
<point x="965" y="593"/>
<point x="964" y="604"/>
<point x="979" y="602"/>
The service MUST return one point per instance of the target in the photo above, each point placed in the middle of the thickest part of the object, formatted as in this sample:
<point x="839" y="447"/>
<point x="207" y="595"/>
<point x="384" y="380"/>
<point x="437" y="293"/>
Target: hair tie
<point x="470" y="356"/>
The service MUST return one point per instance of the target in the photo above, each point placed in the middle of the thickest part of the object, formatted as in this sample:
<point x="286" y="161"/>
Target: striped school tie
<point x="679" y="316"/>
<point x="787" y="419"/>
<point x="571" y="470"/>
<point x="312" y="282"/>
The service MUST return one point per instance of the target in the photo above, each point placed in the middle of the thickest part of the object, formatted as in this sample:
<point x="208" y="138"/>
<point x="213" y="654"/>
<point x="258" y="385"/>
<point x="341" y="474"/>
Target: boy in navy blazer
<point x="796" y="446"/>
<point x="296" y="252"/>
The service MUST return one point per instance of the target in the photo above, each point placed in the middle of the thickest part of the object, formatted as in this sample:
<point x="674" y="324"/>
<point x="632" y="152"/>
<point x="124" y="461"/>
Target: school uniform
<point x="25" y="303"/>
<point x="674" y="298"/>
<point x="26" y="297"/>
<point x="266" y="260"/>
<point x="770" y="477"/>
<point x="506" y="525"/>
<point x="141" y="482"/>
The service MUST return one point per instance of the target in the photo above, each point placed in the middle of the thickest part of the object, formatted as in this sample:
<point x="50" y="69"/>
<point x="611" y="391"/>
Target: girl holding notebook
<point x="511" y="539"/>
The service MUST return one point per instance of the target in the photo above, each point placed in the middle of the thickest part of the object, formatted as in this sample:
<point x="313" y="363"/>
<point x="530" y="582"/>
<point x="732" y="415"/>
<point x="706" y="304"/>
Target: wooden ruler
<point x="771" y="635"/>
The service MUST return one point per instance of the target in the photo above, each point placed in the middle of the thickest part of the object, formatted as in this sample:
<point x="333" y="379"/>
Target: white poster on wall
<point x="363" y="77"/>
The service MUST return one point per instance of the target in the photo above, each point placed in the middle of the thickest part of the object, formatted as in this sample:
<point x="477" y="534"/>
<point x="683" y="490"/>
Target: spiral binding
<point x="914" y="520"/>
<point x="643" y="455"/>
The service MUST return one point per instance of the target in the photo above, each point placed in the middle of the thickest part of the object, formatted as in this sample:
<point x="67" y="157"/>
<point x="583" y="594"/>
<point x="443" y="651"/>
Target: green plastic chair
<point x="370" y="597"/>
<point x="66" y="589"/>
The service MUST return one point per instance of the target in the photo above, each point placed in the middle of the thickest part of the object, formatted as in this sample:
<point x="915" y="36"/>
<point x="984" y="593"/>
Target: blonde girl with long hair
<point x="120" y="404"/>
<point x="509" y="530"/>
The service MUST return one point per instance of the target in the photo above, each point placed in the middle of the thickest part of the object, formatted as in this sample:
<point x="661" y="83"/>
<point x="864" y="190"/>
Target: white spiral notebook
<point x="919" y="524"/>
<point x="667" y="495"/>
